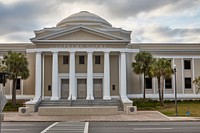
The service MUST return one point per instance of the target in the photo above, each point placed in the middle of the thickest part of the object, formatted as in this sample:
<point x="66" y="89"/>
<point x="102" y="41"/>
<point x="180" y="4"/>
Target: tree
<point x="142" y="65"/>
<point x="196" y="81"/>
<point x="17" y="66"/>
<point x="161" y="69"/>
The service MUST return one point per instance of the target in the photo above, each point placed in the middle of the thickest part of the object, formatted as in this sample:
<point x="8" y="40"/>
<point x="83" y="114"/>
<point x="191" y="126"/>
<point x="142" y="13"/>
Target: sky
<point x="149" y="20"/>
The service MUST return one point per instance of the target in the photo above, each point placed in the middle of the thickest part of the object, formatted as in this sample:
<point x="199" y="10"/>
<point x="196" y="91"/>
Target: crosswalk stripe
<point x="68" y="127"/>
<point x="46" y="129"/>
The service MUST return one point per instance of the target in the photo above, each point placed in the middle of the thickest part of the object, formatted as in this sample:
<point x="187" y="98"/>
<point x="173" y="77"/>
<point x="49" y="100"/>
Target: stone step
<point x="82" y="102"/>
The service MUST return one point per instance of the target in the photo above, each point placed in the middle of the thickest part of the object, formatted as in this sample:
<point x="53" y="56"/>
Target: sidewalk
<point x="140" y="116"/>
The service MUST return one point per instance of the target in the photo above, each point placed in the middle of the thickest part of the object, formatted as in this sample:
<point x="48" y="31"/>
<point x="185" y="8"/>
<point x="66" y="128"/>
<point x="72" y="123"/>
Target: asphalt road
<point x="104" y="127"/>
<point x="24" y="127"/>
<point x="144" y="127"/>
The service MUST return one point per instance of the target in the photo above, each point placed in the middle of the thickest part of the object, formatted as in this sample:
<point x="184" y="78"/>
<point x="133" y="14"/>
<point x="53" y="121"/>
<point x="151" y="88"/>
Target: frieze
<point x="81" y="46"/>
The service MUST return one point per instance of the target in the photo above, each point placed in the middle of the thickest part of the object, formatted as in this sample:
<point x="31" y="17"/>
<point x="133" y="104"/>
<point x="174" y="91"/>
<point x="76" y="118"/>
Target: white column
<point x="193" y="76"/>
<point x="119" y="74"/>
<point x="55" y="94"/>
<point x="106" y="81"/>
<point x="72" y="77"/>
<point x="173" y="77"/>
<point x="123" y="87"/>
<point x="38" y="74"/>
<point x="183" y="76"/>
<point x="89" y="76"/>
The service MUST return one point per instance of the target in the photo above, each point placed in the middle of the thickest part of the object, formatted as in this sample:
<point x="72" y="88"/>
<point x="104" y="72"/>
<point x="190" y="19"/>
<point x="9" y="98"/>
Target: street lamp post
<point x="175" y="90"/>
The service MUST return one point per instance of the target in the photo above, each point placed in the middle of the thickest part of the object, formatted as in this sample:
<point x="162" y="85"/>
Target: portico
<point x="73" y="75"/>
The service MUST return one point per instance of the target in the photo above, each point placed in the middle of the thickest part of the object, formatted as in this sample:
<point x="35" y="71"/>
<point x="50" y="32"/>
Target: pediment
<point x="78" y="33"/>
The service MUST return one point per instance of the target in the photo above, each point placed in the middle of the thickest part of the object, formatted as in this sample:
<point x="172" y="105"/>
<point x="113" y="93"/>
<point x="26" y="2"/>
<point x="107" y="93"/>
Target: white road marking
<point x="152" y="128"/>
<point x="141" y="124"/>
<point x="46" y="129"/>
<point x="12" y="129"/>
<point x="86" y="127"/>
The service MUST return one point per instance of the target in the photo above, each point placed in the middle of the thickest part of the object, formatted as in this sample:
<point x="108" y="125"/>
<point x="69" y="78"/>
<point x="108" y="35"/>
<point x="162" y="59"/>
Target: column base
<point x="73" y="98"/>
<point x="125" y="99"/>
<point x="54" y="98"/>
<point x="106" y="98"/>
<point x="89" y="98"/>
<point x="36" y="99"/>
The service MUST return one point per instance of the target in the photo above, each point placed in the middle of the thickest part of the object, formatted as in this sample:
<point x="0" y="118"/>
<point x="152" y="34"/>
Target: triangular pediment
<point x="79" y="33"/>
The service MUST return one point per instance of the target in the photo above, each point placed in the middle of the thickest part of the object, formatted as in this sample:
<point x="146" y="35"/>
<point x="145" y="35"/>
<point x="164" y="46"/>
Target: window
<point x="188" y="84"/>
<point x="18" y="84"/>
<point x="65" y="59"/>
<point x="97" y="59"/>
<point x="187" y="64"/>
<point x="113" y="87"/>
<point x="81" y="60"/>
<point x="49" y="87"/>
<point x="148" y="82"/>
<point x="168" y="83"/>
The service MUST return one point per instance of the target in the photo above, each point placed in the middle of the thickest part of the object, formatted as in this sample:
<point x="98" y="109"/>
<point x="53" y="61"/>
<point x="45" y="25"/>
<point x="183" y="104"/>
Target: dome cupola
<point x="83" y="17"/>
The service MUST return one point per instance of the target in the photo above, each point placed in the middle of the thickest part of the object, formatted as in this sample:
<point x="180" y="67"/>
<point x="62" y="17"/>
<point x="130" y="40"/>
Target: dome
<point x="84" y="17"/>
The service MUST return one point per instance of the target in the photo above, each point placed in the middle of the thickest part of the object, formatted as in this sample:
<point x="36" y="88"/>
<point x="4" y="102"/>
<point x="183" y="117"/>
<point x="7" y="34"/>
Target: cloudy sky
<point x="149" y="20"/>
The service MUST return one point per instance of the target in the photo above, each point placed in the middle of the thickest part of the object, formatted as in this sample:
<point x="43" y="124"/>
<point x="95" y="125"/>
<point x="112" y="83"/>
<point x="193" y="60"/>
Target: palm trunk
<point x="159" y="92"/>
<point x="14" y="92"/>
<point x="144" y="93"/>
<point x="162" y="88"/>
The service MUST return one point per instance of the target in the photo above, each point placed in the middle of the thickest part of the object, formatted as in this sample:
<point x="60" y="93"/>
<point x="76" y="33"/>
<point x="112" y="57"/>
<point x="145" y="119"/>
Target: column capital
<point x="106" y="51"/>
<point x="122" y="52"/>
<point x="89" y="51"/>
<point x="38" y="51"/>
<point x="72" y="51"/>
<point x="54" y="51"/>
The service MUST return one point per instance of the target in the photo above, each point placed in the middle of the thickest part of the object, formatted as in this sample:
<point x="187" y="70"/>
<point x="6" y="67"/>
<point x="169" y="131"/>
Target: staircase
<point x="82" y="102"/>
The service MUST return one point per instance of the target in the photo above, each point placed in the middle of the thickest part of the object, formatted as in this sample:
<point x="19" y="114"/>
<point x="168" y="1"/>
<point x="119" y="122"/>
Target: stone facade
<point x="84" y="57"/>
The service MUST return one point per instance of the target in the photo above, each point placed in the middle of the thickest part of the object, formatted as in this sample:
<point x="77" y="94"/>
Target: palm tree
<point x="161" y="69"/>
<point x="196" y="81"/>
<point x="142" y="65"/>
<point x="17" y="66"/>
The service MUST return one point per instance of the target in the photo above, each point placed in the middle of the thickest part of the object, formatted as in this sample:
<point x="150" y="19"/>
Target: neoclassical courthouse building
<point x="84" y="57"/>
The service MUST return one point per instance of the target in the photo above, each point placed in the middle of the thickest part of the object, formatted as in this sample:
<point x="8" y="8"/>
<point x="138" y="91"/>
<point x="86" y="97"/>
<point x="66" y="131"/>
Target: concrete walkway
<point x="140" y="116"/>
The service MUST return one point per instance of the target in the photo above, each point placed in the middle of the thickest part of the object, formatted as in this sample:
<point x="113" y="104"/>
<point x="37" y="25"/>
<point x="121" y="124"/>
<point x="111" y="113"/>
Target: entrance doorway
<point x="98" y="88"/>
<point x="81" y="88"/>
<point x="64" y="88"/>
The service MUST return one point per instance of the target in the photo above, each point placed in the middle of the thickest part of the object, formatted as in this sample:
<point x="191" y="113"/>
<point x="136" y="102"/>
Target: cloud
<point x="19" y="18"/>
<point x="155" y="33"/>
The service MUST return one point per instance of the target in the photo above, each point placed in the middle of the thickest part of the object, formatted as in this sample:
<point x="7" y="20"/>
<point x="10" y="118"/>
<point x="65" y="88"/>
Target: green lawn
<point x="169" y="107"/>
<point x="9" y="107"/>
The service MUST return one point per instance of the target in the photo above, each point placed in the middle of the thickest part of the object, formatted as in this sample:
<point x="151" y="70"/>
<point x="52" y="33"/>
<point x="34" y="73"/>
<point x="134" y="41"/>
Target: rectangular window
<point x="188" y="83"/>
<point x="49" y="87"/>
<point x="168" y="83"/>
<point x="148" y="82"/>
<point x="113" y="87"/>
<point x="81" y="60"/>
<point x="187" y="64"/>
<point x="98" y="59"/>
<point x="18" y="84"/>
<point x="65" y="59"/>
